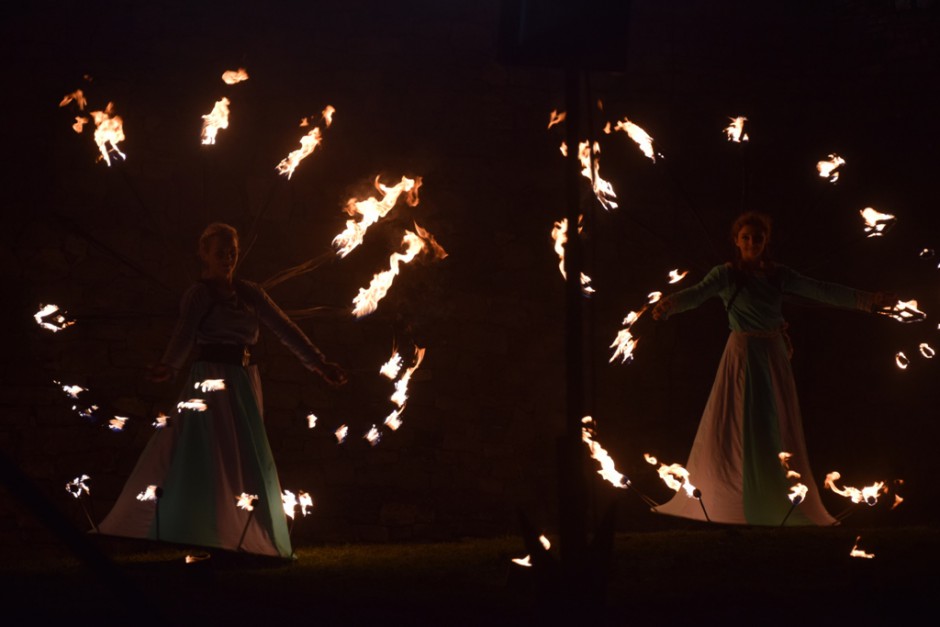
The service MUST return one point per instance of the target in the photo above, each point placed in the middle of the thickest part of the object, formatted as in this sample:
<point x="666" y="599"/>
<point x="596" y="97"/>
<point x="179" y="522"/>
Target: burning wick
<point x="926" y="350"/>
<point x="735" y="131"/>
<point x="374" y="436"/>
<point x="245" y="501"/>
<point x="341" y="434"/>
<point x="876" y="223"/>
<point x="214" y="121"/>
<point x="210" y="385"/>
<point x="796" y="496"/>
<point x="829" y="168"/>
<point x="785" y="462"/>
<point x="55" y="323"/>
<point x="117" y="423"/>
<point x="553" y="119"/>
<point x="109" y="132"/>
<point x="231" y="77"/>
<point x="638" y="135"/>
<point x="857" y="552"/>
<point x="311" y="421"/>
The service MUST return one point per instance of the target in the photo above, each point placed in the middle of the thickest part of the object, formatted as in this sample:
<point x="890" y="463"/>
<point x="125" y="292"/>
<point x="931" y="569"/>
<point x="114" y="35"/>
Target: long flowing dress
<point x="203" y="459"/>
<point x="752" y="413"/>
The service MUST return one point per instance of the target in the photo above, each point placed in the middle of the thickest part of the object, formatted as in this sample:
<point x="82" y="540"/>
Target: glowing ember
<point x="829" y="168"/>
<point x="785" y="462"/>
<point x="196" y="404"/>
<point x="674" y="277"/>
<point x="876" y="223"/>
<point x="117" y="423"/>
<point x="374" y="436"/>
<point x="607" y="470"/>
<point x="603" y="190"/>
<point x="926" y="350"/>
<point x="210" y="385"/>
<point x="231" y="77"/>
<point x="560" y="236"/>
<point x="368" y="298"/>
<point x="78" y="486"/>
<point x="311" y="421"/>
<point x="868" y="494"/>
<point x="214" y="121"/>
<point x="76" y="96"/>
<point x="639" y="136"/>
<point x="305" y="501"/>
<point x="109" y="132"/>
<point x="553" y="119"/>
<point x="904" y="311"/>
<point x="857" y="552"/>
<point x="290" y="503"/>
<point x="735" y="131"/>
<point x="48" y="319"/>
<point x="80" y="123"/>
<point x="392" y="421"/>
<point x="523" y="561"/>
<point x="341" y="434"/>
<point x="307" y="145"/>
<point x="149" y="494"/>
<point x="798" y="493"/>
<point x="390" y="368"/>
<point x="161" y="421"/>
<point x="902" y="361"/>
<point x="246" y="501"/>
<point x="401" y="386"/>
<point x="371" y="210"/>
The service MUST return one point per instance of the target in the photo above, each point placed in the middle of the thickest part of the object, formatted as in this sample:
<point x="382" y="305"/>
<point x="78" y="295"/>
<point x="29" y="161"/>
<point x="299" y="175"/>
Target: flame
<point x="603" y="190"/>
<point x="341" y="434"/>
<point x="857" y="552"/>
<point x="149" y="494"/>
<point x="72" y="390"/>
<point x="368" y="298"/>
<point x="650" y="459"/>
<point x="868" y="494"/>
<point x="654" y="297"/>
<point x="373" y="435"/>
<point x="674" y="277"/>
<point x="117" y="423"/>
<point x="829" y="168"/>
<point x="902" y="361"/>
<point x="210" y="385"/>
<point x="308" y="143"/>
<point x="246" y="501"/>
<point x="231" y="77"/>
<point x="926" y="253"/>
<point x="80" y="123"/>
<point x="556" y="118"/>
<point x="523" y="561"/>
<point x="305" y="501"/>
<point x="625" y="342"/>
<point x="560" y="236"/>
<point x="192" y="559"/>
<point x="638" y="135"/>
<point x="926" y="350"/>
<point x="798" y="493"/>
<point x="77" y="486"/>
<point x="564" y="149"/>
<point x="390" y="368"/>
<point x="876" y="223"/>
<point x="607" y="470"/>
<point x="196" y="404"/>
<point x="545" y="543"/>
<point x="905" y="311"/>
<point x="735" y="131"/>
<point x="311" y="421"/>
<point x="109" y="132"/>
<point x="161" y="421"/>
<point x="401" y="386"/>
<point x="328" y="115"/>
<point x="77" y="96"/>
<point x="785" y="462"/>
<point x="897" y="501"/>
<point x="371" y="210"/>
<point x="214" y="121"/>
<point x="56" y="323"/>
<point x="289" y="502"/>
<point x="677" y="478"/>
<point x="392" y="421"/>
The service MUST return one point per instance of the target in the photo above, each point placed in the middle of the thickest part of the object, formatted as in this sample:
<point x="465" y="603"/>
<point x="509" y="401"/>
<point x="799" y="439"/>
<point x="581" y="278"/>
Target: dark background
<point x="421" y="90"/>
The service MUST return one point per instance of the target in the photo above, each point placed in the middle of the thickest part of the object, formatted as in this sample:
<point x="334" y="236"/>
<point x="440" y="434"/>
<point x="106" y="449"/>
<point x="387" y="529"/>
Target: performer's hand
<point x="332" y="373"/>
<point x="662" y="308"/>
<point x="884" y="300"/>
<point x="160" y="373"/>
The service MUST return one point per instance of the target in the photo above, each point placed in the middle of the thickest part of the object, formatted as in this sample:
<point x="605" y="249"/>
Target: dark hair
<point x="757" y="220"/>
<point x="216" y="229"/>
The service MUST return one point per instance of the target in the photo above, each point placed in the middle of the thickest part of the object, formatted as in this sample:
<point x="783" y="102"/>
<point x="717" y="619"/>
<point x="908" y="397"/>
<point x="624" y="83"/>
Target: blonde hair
<point x="216" y="229"/>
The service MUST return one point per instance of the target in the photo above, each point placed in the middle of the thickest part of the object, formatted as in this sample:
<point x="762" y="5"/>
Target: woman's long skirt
<point x="752" y="415"/>
<point x="203" y="461"/>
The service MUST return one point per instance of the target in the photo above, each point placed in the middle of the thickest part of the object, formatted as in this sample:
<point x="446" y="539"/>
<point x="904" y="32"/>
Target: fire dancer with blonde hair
<point x="752" y="413"/>
<point x="217" y="449"/>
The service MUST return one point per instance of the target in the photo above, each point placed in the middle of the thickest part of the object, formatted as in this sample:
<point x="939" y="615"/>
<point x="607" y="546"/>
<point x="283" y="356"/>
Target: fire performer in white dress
<point x="208" y="455"/>
<point x="752" y="413"/>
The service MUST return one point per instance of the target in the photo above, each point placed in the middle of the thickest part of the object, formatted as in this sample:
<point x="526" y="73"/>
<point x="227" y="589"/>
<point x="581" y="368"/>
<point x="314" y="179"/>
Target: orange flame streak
<point x="401" y="386"/>
<point x="735" y="131"/>
<point x="829" y="168"/>
<point x="78" y="486"/>
<point x="210" y="385"/>
<point x="625" y="343"/>
<point x="80" y="123"/>
<point x="78" y="96"/>
<point x="231" y="77"/>
<point x="639" y="136"/>
<point x="246" y="501"/>
<point x="308" y="143"/>
<point x="876" y="223"/>
<point x="55" y="323"/>
<point x="371" y="210"/>
<point x="603" y="190"/>
<point x="149" y="494"/>
<point x="556" y="118"/>
<point x="677" y="478"/>
<point x="109" y="132"/>
<point x="857" y="552"/>
<point x="117" y="423"/>
<point x="607" y="470"/>
<point x="289" y="501"/>
<point x="341" y="434"/>
<point x="545" y="542"/>
<point x="214" y="121"/>
<point x="897" y="501"/>
<point x="328" y="115"/>
<point x="192" y="559"/>
<point x="868" y="494"/>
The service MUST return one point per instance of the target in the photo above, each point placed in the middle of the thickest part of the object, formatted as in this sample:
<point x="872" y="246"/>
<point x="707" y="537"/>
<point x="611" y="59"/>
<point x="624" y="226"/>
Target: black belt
<point x="236" y="354"/>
